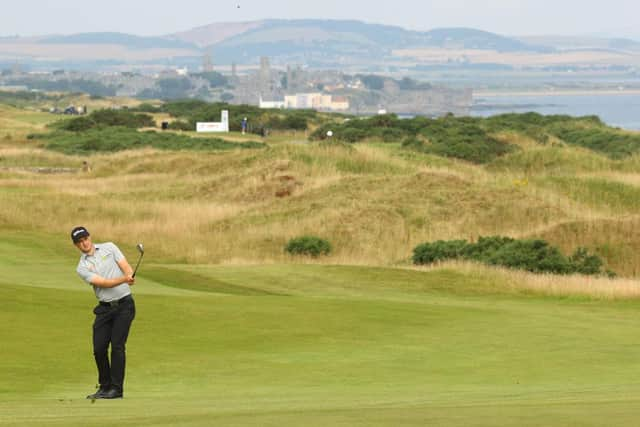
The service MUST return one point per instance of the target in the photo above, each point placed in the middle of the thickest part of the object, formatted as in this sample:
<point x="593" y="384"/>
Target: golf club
<point x="140" y="248"/>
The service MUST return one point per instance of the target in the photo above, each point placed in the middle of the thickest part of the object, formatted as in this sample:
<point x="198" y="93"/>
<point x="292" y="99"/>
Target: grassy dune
<point x="374" y="202"/>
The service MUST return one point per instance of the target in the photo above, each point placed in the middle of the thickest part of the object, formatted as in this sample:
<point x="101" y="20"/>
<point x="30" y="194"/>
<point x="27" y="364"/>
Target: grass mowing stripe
<point x="196" y="282"/>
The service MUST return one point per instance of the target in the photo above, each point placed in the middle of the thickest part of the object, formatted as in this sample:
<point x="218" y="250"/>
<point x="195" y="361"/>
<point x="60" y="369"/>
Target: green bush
<point x="485" y="247"/>
<point x="393" y="135"/>
<point x="309" y="246"/>
<point x="588" y="132"/>
<point x="459" y="137"/>
<point x="181" y="125"/>
<point x="463" y="138"/>
<point x="585" y="263"/>
<point x="613" y="143"/>
<point x="295" y="122"/>
<point x="473" y="139"/>
<point x="351" y="135"/>
<point x="536" y="256"/>
<point x="112" y="139"/>
<point x="106" y="118"/>
<point x="79" y="124"/>
<point x="428" y="253"/>
<point x="146" y="108"/>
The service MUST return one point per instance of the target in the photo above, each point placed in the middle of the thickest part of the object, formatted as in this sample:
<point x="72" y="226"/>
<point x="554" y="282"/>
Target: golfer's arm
<point x="101" y="282"/>
<point x="125" y="267"/>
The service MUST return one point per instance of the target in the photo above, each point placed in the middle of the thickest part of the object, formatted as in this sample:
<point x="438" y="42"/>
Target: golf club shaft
<point x="137" y="265"/>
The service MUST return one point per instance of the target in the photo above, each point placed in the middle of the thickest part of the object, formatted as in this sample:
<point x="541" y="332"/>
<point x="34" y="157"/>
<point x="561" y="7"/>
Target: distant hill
<point x="347" y="31"/>
<point x="337" y="44"/>
<point x="336" y="41"/>
<point x="214" y="33"/>
<point x="128" y="40"/>
<point x="468" y="38"/>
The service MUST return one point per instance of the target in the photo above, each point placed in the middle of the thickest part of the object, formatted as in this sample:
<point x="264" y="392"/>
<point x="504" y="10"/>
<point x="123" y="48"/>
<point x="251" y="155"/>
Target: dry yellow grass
<point x="374" y="202"/>
<point x="548" y="284"/>
<point x="374" y="206"/>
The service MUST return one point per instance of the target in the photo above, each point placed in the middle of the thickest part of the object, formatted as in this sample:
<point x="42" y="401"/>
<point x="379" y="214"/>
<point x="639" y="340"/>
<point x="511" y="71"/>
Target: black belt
<point x="117" y="302"/>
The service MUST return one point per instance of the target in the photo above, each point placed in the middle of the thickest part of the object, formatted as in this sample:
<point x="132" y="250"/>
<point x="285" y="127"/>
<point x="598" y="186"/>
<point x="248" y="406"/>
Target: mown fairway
<point x="313" y="345"/>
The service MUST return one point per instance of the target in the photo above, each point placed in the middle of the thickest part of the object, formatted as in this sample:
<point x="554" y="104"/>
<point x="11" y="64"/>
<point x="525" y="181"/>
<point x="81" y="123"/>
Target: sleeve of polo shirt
<point x="85" y="274"/>
<point x="117" y="254"/>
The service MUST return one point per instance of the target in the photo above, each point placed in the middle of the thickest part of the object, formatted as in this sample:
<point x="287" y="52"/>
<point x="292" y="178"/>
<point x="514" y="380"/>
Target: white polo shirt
<point x="104" y="263"/>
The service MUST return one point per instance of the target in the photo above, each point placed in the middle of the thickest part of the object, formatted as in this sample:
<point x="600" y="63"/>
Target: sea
<point x="618" y="110"/>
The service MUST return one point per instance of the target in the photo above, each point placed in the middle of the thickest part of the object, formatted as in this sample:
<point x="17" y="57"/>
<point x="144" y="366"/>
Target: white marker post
<point x="215" y="127"/>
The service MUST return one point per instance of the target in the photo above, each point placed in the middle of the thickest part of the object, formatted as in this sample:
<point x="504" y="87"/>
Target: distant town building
<point x="267" y="104"/>
<point x="207" y="62"/>
<point x="316" y="101"/>
<point x="296" y="79"/>
<point x="266" y="87"/>
<point x="339" y="103"/>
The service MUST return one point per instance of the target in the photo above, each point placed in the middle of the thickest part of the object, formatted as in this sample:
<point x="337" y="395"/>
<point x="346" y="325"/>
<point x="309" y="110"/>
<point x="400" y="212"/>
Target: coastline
<point x="547" y="93"/>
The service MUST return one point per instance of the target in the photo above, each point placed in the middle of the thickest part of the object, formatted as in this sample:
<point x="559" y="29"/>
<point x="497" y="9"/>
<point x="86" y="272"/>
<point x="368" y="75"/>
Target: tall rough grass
<point x="590" y="287"/>
<point x="373" y="202"/>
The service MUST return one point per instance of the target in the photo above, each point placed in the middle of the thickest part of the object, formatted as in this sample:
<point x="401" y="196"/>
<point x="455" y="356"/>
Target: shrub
<point x="290" y="121"/>
<point x="441" y="250"/>
<point x="393" y="135"/>
<point x="105" y="118"/>
<point x="536" y="256"/>
<point x="351" y="135"/>
<point x="122" y="118"/>
<point x="145" y="107"/>
<point x="584" y="263"/>
<point x="295" y="121"/>
<point x="383" y="121"/>
<point x="79" y="124"/>
<point x="485" y="247"/>
<point x="309" y="246"/>
<point x="112" y="139"/>
<point x="461" y="137"/>
<point x="181" y="125"/>
<point x="613" y="143"/>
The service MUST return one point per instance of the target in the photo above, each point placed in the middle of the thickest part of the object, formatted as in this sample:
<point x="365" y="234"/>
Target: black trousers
<point x="111" y="326"/>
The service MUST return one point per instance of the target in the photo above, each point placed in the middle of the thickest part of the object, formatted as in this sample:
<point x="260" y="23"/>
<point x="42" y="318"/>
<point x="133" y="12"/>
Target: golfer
<point x="105" y="268"/>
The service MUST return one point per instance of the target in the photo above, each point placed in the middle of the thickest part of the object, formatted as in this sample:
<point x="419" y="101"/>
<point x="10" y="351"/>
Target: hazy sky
<point x="157" y="17"/>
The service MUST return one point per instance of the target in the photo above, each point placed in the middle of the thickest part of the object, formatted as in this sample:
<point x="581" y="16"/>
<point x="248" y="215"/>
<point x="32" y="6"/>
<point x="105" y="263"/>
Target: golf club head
<point x="140" y="248"/>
